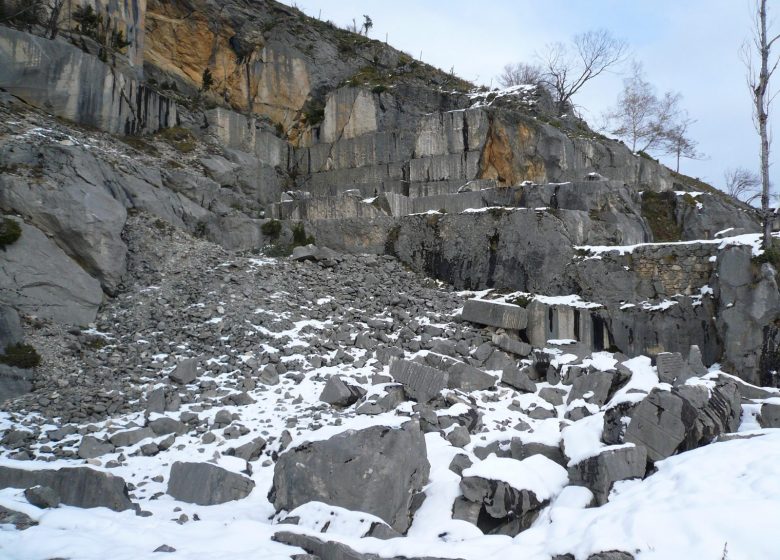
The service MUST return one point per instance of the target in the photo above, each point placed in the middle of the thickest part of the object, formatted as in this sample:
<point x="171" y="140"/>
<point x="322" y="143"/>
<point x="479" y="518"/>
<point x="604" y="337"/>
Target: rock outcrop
<point x="377" y="470"/>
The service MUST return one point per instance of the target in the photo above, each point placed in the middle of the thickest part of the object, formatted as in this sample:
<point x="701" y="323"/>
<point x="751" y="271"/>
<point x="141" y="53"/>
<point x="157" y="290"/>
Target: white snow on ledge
<point x="751" y="239"/>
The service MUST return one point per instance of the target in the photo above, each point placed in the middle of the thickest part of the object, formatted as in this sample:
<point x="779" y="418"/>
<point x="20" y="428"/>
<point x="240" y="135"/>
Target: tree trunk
<point x="762" y="117"/>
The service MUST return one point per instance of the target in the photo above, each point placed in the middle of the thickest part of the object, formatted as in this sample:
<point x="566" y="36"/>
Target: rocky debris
<point x="80" y="486"/>
<point x="206" y="484"/>
<point x="185" y="372"/>
<point x="769" y="417"/>
<point x="511" y="504"/>
<point x="494" y="314"/>
<point x="421" y="383"/>
<point x="377" y="470"/>
<point x="684" y="418"/>
<point x="339" y="393"/>
<point x="599" y="473"/>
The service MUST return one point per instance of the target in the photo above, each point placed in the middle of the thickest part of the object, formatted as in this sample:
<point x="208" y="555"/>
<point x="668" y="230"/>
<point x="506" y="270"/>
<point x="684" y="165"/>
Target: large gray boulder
<point x="38" y="278"/>
<point x="377" y="470"/>
<point x="421" y="383"/>
<point x="600" y="473"/>
<point x="769" y="416"/>
<point x="206" y="484"/>
<point x="511" y="493"/>
<point x="80" y="487"/>
<point x="687" y="417"/>
<point x="339" y="393"/>
<point x="468" y="378"/>
<point x="494" y="314"/>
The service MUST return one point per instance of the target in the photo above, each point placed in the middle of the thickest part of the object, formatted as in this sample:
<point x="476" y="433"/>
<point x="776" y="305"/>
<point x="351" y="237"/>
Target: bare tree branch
<point x="568" y="69"/>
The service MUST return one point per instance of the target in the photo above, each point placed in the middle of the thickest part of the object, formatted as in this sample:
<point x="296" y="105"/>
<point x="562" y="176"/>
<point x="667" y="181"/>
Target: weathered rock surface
<point x="421" y="383"/>
<point x="206" y="484"/>
<point x="80" y="487"/>
<point x="38" y="278"/>
<point x="687" y="417"/>
<point x="377" y="470"/>
<point x="494" y="314"/>
<point x="599" y="473"/>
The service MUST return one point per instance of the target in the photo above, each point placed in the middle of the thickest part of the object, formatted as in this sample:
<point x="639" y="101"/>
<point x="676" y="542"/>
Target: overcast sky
<point x="688" y="46"/>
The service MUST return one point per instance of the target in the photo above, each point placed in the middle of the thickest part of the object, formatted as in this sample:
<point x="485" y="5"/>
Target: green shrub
<point x="178" y="137"/>
<point x="299" y="236"/>
<point x="21" y="356"/>
<point x="10" y="232"/>
<point x="659" y="211"/>
<point x="313" y="112"/>
<point x="521" y="301"/>
<point x="272" y="229"/>
<point x="770" y="255"/>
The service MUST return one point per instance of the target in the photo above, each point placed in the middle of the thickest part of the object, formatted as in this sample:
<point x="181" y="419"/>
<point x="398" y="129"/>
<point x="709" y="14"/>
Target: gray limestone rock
<point x="518" y="378"/>
<point x="80" y="487"/>
<point x="330" y="550"/>
<point x="42" y="497"/>
<point x="494" y="314"/>
<point x="340" y="394"/>
<point x="519" y="450"/>
<point x="164" y="426"/>
<point x="10" y="327"/>
<point x="206" y="484"/>
<point x="129" y="438"/>
<point x="670" y="366"/>
<point x="377" y="470"/>
<point x="687" y="417"/>
<point x="459" y="436"/>
<point x="660" y="423"/>
<point x="421" y="383"/>
<point x="91" y="447"/>
<point x="249" y="451"/>
<point x="468" y="378"/>
<point x="186" y="372"/>
<point x="593" y="388"/>
<point x="38" y="278"/>
<point x="769" y="416"/>
<point x="512" y="345"/>
<point x="611" y="555"/>
<point x="599" y="473"/>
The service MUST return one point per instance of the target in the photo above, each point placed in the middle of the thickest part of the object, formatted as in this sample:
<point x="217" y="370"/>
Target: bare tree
<point x="52" y="23"/>
<point x="568" y="68"/>
<point x="758" y="81"/>
<point x="678" y="142"/>
<point x="641" y="118"/>
<point x="742" y="184"/>
<point x="519" y="74"/>
<point x="368" y="23"/>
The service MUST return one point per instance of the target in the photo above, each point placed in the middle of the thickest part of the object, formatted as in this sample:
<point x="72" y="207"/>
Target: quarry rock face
<point x="253" y="245"/>
<point x="377" y="470"/>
